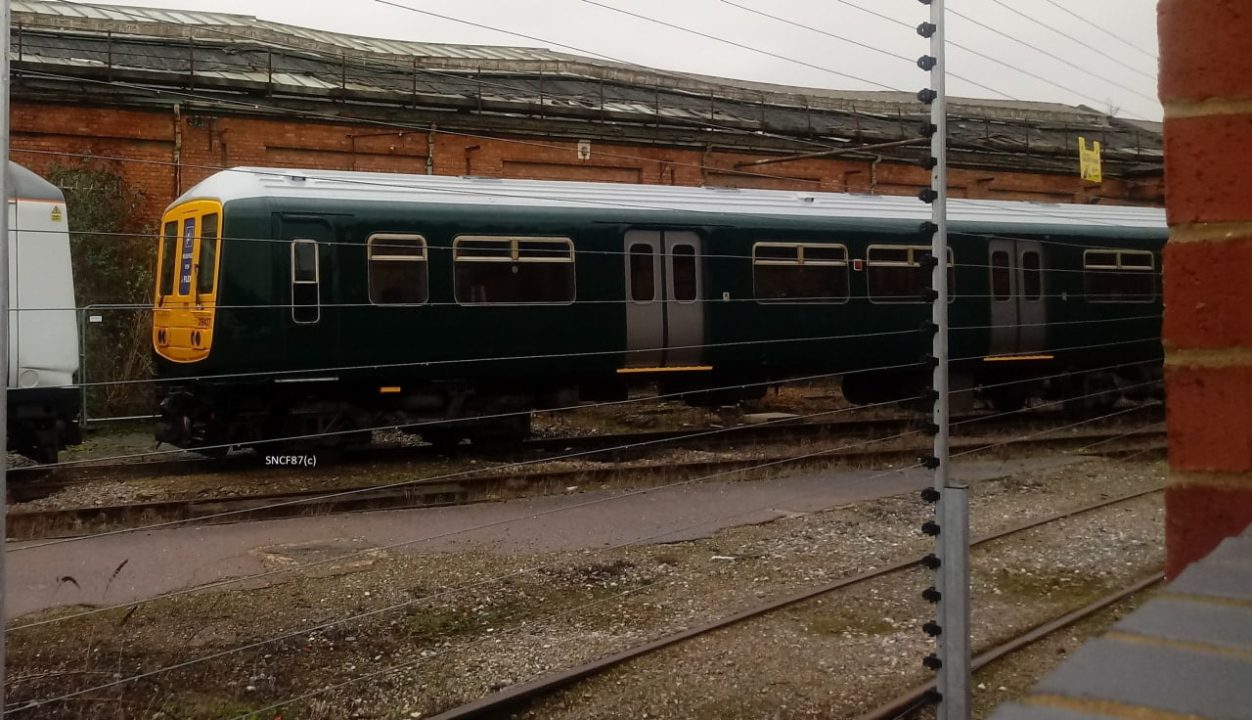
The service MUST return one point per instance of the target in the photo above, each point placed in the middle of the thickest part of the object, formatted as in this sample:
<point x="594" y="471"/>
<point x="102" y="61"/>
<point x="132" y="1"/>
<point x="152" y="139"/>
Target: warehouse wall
<point x="163" y="153"/>
<point x="1206" y="86"/>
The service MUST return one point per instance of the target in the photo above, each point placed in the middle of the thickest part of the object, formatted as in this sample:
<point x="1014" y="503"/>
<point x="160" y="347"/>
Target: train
<point x="43" y="401"/>
<point x="319" y="305"/>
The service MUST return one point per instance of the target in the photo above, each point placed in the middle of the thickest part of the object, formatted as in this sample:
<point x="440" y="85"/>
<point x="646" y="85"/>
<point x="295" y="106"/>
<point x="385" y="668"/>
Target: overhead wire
<point x="478" y="583"/>
<point x="1062" y="33"/>
<point x="1102" y="28"/>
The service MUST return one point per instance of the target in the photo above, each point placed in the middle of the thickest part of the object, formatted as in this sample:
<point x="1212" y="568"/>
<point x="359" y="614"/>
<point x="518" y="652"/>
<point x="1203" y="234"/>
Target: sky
<point x="1015" y="54"/>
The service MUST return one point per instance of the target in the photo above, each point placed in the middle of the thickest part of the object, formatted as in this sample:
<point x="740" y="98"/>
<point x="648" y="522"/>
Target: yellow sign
<point x="56" y="213"/>
<point x="1089" y="160"/>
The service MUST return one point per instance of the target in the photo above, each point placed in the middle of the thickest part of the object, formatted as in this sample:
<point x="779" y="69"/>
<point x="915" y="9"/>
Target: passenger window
<point x="305" y="282"/>
<point x="642" y="273"/>
<point x="685" y="282"/>
<point x="169" y="258"/>
<point x="397" y="270"/>
<point x="206" y="273"/>
<point x="1119" y="275"/>
<point x="894" y="273"/>
<point x="1032" y="275"/>
<point x="1000" y="275"/>
<point x="513" y="271"/>
<point x="799" y="273"/>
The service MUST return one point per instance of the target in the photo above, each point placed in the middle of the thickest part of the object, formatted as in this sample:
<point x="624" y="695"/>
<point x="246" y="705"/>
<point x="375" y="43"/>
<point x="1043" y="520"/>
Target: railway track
<point x="510" y="700"/>
<point x="64" y="522"/>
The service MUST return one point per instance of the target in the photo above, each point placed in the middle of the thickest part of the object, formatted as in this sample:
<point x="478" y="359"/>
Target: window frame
<point x="515" y="257"/>
<point x="1025" y="273"/>
<point x="1008" y="277"/>
<point x="316" y="281"/>
<point x="168" y="263"/>
<point x="801" y="261"/>
<point x="198" y="290"/>
<point x="652" y="255"/>
<point x="1119" y="267"/>
<point x="370" y="259"/>
<point x="912" y="250"/>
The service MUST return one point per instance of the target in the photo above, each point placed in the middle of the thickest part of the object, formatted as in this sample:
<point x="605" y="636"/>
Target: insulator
<point x="927" y="29"/>
<point x="930" y="162"/>
<point x="928" y="195"/>
<point x="930" y="361"/>
<point x="927" y="95"/>
<point x="932" y="629"/>
<point x="931" y="562"/>
<point x="930" y="495"/>
<point x="927" y="129"/>
<point x="931" y="528"/>
<point x="929" y="328"/>
<point x="928" y="261"/>
<point x="930" y="429"/>
<point x="932" y="662"/>
<point x="931" y="595"/>
<point x="927" y="62"/>
<point x="929" y="295"/>
<point x="928" y="228"/>
<point x="930" y="462"/>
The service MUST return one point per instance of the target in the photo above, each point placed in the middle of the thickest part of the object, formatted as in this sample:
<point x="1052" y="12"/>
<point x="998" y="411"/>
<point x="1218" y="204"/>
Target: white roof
<point x="329" y="185"/>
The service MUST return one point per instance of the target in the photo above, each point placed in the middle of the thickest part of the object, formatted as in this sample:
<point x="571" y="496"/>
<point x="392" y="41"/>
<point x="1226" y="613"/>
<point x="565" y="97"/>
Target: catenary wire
<point x="408" y="603"/>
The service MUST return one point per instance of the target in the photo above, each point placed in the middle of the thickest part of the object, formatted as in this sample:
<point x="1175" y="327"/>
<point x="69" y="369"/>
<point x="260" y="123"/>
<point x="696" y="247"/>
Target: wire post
<point x="950" y="525"/>
<point x="4" y="312"/>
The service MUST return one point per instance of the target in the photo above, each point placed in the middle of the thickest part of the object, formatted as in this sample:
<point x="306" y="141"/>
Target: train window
<point x="1000" y="279"/>
<point x="642" y="273"/>
<point x="1119" y="275"/>
<point x="685" y="282"/>
<point x="894" y="273"/>
<point x="206" y="272"/>
<point x="305" y="282"/>
<point x="397" y="269"/>
<point x="1032" y="275"/>
<point x="513" y="270"/>
<point x="169" y="258"/>
<point x="799" y="272"/>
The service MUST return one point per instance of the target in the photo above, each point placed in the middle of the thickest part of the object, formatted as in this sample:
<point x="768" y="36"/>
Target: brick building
<point x="173" y="96"/>
<point x="1206" y="86"/>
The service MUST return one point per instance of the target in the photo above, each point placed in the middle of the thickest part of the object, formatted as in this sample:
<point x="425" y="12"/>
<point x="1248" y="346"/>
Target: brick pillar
<point x="1206" y="87"/>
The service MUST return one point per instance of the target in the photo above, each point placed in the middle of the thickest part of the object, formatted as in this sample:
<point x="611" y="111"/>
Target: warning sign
<point x="1089" y="165"/>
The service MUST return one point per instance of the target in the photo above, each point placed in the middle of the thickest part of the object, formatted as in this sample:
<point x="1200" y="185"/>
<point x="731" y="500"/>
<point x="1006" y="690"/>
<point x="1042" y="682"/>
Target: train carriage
<point x="322" y="304"/>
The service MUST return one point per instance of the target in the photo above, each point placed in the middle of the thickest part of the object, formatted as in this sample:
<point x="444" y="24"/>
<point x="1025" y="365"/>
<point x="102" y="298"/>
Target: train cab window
<point x="1000" y="278"/>
<point x="305" y="282"/>
<point x="642" y="273"/>
<point x="1032" y="275"/>
<point x="206" y="269"/>
<point x="513" y="270"/>
<point x="169" y="258"/>
<point x="799" y="272"/>
<point x="894" y="273"/>
<point x="397" y="269"/>
<point x="1119" y="275"/>
<point x="685" y="282"/>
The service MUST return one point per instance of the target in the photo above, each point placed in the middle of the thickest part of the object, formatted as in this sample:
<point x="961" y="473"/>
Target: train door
<point x="307" y="286"/>
<point x="1018" y="312"/>
<point x="664" y="287"/>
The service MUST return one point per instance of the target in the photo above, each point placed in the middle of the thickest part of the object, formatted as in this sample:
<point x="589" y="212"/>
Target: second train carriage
<point x="318" y="303"/>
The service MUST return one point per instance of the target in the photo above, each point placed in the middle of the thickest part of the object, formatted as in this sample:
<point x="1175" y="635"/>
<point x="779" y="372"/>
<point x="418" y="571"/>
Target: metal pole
<point x="4" y="314"/>
<point x="952" y="546"/>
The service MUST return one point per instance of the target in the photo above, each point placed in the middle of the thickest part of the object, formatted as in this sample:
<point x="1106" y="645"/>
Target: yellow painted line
<point x="1014" y="358"/>
<point x="390" y="389"/>
<point x="677" y="368"/>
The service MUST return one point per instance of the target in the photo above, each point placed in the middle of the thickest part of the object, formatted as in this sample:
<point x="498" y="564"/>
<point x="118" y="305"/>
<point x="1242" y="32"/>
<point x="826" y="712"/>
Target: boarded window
<point x="1032" y="275"/>
<point x="1000" y="279"/>
<point x="642" y="273"/>
<point x="799" y="273"/>
<point x="685" y="282"/>
<point x="206" y="271"/>
<point x="305" y="282"/>
<point x="1119" y="275"/>
<point x="397" y="269"/>
<point x="513" y="270"/>
<point x="894" y="273"/>
<point x="169" y="258"/>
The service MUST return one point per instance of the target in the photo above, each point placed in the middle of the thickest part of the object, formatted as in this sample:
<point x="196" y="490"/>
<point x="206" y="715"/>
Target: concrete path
<point x="170" y="559"/>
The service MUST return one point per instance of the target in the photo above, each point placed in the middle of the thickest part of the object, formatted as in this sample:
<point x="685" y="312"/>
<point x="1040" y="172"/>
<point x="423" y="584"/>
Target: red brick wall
<point x="1206" y="86"/>
<point x="147" y="140"/>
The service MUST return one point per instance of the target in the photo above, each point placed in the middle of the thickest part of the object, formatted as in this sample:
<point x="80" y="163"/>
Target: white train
<point x="43" y="328"/>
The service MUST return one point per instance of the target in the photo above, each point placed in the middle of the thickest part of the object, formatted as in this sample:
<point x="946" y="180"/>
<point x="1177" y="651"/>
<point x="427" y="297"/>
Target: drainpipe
<point x="873" y="175"/>
<point x="430" y="149"/>
<point x="178" y="149"/>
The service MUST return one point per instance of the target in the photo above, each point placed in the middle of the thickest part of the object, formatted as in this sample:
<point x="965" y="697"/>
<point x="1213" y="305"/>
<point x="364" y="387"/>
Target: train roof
<point x="25" y="184"/>
<point x="719" y="203"/>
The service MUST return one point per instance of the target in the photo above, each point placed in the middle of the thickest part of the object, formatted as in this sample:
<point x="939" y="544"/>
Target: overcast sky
<point x="1108" y="75"/>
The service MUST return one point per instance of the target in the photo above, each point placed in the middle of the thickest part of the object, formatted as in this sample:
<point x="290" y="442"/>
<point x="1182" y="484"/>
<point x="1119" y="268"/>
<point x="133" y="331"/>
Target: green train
<point x="318" y="304"/>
